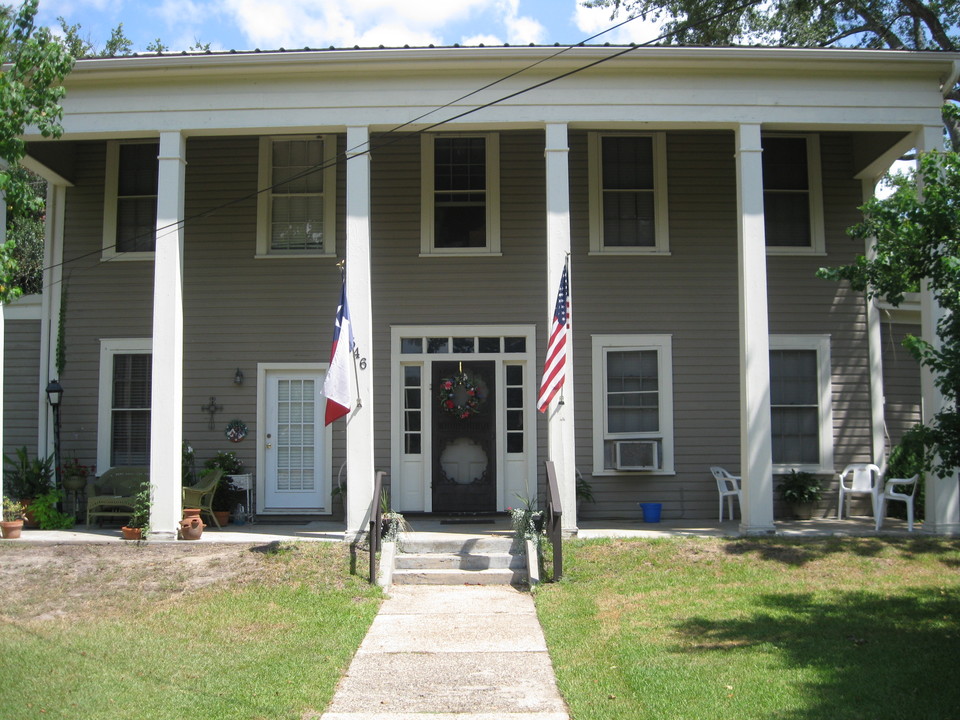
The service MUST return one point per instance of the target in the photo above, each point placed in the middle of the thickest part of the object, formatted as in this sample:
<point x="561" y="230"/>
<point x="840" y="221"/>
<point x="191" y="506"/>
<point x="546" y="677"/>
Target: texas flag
<point x="336" y="385"/>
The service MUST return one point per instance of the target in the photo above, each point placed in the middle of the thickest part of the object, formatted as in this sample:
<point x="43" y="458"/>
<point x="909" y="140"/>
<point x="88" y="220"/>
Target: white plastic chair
<point x="890" y="493"/>
<point x="860" y="479"/>
<point x="728" y="486"/>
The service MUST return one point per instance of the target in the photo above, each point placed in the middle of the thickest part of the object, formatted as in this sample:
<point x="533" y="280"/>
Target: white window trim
<point x="818" y="244"/>
<point x="108" y="348"/>
<point x="265" y="196"/>
<point x="111" y="186"/>
<point x="820" y="343"/>
<point x="663" y="344"/>
<point x="660" y="196"/>
<point x="427" y="196"/>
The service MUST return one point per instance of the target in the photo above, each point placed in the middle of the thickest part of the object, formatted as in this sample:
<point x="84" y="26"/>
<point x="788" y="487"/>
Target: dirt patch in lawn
<point x="47" y="581"/>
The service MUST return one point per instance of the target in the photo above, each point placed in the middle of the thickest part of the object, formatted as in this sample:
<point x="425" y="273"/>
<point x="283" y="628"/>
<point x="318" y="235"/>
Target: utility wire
<point x="370" y="147"/>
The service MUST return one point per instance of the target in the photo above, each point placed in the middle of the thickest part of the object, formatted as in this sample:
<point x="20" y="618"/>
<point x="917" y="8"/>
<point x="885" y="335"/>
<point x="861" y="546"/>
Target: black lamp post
<point x="54" y="396"/>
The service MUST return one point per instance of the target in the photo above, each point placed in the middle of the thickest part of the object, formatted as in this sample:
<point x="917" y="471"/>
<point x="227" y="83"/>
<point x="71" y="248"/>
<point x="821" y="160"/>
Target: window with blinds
<point x="130" y="409"/>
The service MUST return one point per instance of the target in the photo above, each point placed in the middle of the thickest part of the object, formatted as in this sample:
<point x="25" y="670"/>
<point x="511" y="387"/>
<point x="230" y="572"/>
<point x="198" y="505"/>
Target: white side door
<point x="295" y="445"/>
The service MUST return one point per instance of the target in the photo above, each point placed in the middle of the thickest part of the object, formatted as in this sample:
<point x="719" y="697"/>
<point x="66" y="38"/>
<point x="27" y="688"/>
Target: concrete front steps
<point x="446" y="559"/>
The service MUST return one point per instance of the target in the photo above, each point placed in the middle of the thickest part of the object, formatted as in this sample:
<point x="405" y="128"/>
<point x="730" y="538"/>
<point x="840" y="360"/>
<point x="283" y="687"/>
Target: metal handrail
<point x="554" y="514"/>
<point x="375" y="517"/>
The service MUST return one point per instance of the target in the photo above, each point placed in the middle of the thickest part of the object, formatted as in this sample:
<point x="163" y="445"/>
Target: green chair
<point x="201" y="494"/>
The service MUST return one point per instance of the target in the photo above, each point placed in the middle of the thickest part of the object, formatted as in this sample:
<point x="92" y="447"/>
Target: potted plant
<point x="12" y="522"/>
<point x="45" y="512"/>
<point x="801" y="491"/>
<point x="392" y="523"/>
<point x="226" y="496"/>
<point x="75" y="475"/>
<point x="26" y="478"/>
<point x="138" y="526"/>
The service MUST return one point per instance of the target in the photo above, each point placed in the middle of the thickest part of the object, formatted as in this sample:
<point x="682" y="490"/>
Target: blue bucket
<point x="651" y="512"/>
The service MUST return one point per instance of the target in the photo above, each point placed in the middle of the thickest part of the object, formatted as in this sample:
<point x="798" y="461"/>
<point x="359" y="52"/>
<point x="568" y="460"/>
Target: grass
<point x="257" y="633"/>
<point x="832" y="628"/>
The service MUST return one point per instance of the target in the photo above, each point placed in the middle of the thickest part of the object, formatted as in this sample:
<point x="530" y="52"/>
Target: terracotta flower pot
<point x="130" y="533"/>
<point x="191" y="513"/>
<point x="223" y="517"/>
<point x="191" y="528"/>
<point x="11" y="528"/>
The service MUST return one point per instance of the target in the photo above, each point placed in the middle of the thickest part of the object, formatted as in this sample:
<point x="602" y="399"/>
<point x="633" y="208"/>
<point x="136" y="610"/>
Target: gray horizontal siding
<point x="21" y="385"/>
<point x="240" y="311"/>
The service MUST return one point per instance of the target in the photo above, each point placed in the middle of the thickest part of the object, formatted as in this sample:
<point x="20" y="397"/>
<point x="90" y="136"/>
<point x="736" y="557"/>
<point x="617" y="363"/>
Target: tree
<point x="82" y="47"/>
<point x="916" y="237"/>
<point x="876" y="24"/>
<point x="25" y="232"/>
<point x="31" y="86"/>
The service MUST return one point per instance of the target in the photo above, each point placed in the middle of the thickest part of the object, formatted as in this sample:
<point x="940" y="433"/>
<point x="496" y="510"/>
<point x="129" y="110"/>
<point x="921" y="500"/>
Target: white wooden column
<point x="166" y="417"/>
<point x="561" y="441"/>
<point x="756" y="458"/>
<point x="942" y="510"/>
<point x="360" y="452"/>
<point x="878" y="435"/>
<point x="50" y="310"/>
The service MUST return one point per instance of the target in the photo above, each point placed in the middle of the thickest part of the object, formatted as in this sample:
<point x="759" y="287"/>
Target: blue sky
<point x="271" y="24"/>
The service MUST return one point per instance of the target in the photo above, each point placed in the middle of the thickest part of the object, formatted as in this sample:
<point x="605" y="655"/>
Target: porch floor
<point x="333" y="530"/>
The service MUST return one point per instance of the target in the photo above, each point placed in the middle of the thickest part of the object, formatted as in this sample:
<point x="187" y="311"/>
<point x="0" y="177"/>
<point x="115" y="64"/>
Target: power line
<point x="371" y="147"/>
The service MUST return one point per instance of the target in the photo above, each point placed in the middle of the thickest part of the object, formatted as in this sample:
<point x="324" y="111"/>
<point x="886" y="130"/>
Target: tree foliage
<point x="875" y="24"/>
<point x="81" y="46"/>
<point x="916" y="237"/>
<point x="31" y="86"/>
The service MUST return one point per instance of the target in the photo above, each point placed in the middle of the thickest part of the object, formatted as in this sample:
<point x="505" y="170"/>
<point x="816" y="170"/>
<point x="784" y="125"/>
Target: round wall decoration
<point x="236" y="431"/>
<point x="460" y="396"/>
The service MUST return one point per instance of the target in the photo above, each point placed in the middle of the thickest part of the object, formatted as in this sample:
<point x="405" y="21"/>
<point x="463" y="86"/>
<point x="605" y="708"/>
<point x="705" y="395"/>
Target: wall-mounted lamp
<point x="238" y="377"/>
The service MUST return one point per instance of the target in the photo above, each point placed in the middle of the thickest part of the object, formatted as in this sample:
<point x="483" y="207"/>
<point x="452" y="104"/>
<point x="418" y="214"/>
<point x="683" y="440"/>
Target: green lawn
<point x="246" y="633"/>
<point x="834" y="628"/>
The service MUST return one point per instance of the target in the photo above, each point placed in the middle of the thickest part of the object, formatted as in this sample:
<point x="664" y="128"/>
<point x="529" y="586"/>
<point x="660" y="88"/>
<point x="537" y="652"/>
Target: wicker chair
<point x="201" y="494"/>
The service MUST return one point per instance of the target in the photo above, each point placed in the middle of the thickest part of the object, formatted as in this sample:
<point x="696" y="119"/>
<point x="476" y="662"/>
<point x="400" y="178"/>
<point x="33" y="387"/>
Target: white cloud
<point x="344" y="23"/>
<point x="595" y="20"/>
<point x="178" y="12"/>
<point x="488" y="40"/>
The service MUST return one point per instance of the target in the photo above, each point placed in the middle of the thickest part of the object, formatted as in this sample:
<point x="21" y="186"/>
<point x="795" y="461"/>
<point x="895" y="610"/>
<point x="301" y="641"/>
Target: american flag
<point x="554" y="369"/>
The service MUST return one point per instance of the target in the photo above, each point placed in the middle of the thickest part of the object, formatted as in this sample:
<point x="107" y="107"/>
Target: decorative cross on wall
<point x="212" y="408"/>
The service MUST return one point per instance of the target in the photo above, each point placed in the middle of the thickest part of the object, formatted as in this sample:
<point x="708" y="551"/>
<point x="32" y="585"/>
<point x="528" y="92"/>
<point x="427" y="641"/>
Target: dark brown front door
<point x="464" y="437"/>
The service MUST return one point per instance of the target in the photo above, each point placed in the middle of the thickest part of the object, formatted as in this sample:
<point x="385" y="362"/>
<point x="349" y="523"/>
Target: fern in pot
<point x="801" y="491"/>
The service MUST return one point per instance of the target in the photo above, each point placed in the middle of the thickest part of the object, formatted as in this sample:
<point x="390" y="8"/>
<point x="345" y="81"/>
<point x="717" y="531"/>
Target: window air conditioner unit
<point x="636" y="455"/>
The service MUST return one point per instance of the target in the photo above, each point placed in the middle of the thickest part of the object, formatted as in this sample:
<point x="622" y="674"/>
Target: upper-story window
<point x="296" y="212"/>
<point x="130" y="200"/>
<point x="460" y="194"/>
<point x="792" y="197"/>
<point x="628" y="194"/>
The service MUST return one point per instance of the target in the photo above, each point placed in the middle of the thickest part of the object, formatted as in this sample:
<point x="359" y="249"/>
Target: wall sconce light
<point x="238" y="377"/>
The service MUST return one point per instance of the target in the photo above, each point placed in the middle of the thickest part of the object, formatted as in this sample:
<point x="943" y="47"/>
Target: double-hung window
<point x="632" y="404"/>
<point x="124" y="402"/>
<point x="628" y="193"/>
<point x="800" y="403"/>
<point x="460" y="213"/>
<point x="130" y="200"/>
<point x="296" y="212"/>
<point x="792" y="196"/>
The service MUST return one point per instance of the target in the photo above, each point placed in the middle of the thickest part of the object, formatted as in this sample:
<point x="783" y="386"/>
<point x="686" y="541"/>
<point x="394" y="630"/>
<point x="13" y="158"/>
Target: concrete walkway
<point x="451" y="652"/>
